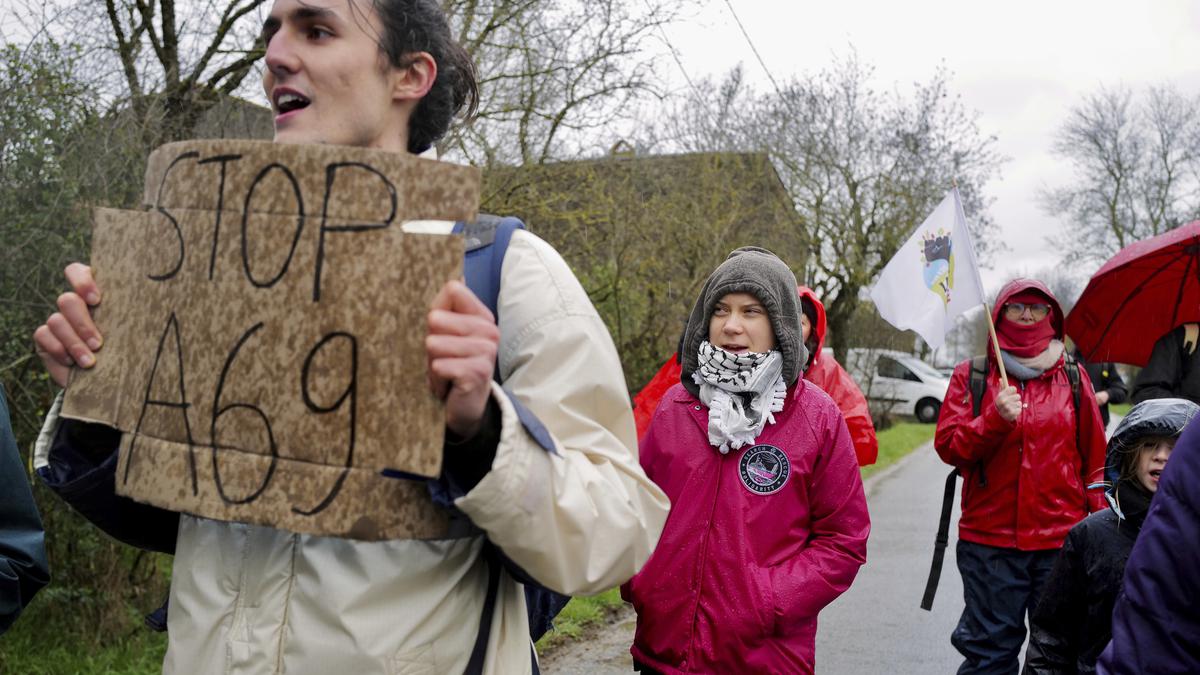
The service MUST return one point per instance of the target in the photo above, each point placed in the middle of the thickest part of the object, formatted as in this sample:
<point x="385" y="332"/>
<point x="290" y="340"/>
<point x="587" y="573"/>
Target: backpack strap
<point x="940" y="542"/>
<point x="978" y="384"/>
<point x="1072" y="367"/>
<point x="486" y="244"/>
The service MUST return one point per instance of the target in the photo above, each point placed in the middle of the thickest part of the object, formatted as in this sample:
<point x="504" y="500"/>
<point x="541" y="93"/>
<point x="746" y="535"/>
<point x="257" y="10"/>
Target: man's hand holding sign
<point x="264" y="336"/>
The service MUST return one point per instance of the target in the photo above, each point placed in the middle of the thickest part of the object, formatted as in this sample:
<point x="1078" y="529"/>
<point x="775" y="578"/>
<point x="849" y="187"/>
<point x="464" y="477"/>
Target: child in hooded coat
<point x="1073" y="621"/>
<point x="769" y="520"/>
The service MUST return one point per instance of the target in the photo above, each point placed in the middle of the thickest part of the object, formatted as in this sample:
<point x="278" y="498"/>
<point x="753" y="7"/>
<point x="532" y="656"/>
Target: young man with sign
<point x="544" y="465"/>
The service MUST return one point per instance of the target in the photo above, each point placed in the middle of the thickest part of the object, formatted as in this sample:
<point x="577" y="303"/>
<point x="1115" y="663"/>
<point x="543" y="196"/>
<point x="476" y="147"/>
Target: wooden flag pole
<point x="987" y="310"/>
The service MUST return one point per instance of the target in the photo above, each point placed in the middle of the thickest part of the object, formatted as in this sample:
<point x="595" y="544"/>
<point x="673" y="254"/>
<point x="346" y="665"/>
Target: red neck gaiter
<point x="1021" y="340"/>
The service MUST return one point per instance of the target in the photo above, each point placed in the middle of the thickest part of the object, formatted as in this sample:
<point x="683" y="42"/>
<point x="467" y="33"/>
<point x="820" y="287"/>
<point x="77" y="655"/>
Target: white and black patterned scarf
<point x="742" y="391"/>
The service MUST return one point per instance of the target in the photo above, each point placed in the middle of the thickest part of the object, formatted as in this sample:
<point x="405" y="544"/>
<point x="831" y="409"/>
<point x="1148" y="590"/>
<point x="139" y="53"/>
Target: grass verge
<point x="897" y="441"/>
<point x="580" y="614"/>
<point x="1121" y="409"/>
<point x="42" y="643"/>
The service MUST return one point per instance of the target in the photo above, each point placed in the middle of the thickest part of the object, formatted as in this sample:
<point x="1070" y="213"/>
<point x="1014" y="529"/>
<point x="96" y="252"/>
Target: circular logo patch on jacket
<point x="764" y="469"/>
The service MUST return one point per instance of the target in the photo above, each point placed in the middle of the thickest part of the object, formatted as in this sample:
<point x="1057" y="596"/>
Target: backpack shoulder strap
<point x="1072" y="367"/>
<point x="940" y="542"/>
<point x="978" y="383"/>
<point x="486" y="244"/>
<point x="1191" y="331"/>
<point x="487" y="239"/>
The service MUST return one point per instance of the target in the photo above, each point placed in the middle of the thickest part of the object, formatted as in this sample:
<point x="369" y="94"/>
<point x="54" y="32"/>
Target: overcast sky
<point x="1021" y="64"/>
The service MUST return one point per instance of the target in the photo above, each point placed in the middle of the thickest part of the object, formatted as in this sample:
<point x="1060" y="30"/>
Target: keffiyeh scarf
<point x="742" y="391"/>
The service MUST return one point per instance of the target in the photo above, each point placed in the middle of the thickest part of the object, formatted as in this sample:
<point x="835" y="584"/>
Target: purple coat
<point x="1156" y="622"/>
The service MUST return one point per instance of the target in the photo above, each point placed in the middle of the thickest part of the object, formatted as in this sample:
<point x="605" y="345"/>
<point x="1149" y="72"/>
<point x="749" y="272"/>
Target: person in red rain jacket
<point x="822" y="370"/>
<point x="769" y="522"/>
<point x="1025" y="479"/>
<point x="825" y="372"/>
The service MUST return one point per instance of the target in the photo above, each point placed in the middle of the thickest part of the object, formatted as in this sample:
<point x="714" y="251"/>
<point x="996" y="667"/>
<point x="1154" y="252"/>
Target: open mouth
<point x="1155" y="474"/>
<point x="289" y="102"/>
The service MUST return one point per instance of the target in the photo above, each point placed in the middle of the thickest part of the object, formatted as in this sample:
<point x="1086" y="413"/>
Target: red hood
<point x="1018" y="286"/>
<point x="807" y="293"/>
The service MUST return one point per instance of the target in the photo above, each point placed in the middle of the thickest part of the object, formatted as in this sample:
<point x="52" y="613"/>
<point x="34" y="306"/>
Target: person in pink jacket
<point x="769" y="522"/>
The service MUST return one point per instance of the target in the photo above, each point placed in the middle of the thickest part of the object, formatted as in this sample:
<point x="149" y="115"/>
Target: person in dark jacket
<point x="23" y="568"/>
<point x="1073" y="621"/>
<point x="1027" y="462"/>
<point x="1109" y="385"/>
<point x="1172" y="370"/>
<point x="1156" y="620"/>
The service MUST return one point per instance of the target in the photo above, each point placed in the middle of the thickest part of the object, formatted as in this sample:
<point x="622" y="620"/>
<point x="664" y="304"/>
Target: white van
<point x="898" y="382"/>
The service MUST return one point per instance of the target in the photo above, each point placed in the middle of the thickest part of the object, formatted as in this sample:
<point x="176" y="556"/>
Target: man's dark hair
<point x="420" y="26"/>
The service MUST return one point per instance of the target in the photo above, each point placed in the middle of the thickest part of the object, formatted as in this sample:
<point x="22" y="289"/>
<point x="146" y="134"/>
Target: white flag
<point x="933" y="277"/>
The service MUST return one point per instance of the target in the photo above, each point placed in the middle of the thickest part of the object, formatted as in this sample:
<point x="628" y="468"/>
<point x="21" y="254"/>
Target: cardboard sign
<point x="264" y="327"/>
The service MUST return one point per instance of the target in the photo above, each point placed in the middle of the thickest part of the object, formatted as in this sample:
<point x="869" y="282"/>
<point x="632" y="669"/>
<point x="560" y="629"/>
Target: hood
<point x="1156" y="417"/>
<point x="1019" y="286"/>
<point x="760" y="273"/>
<point x="807" y="294"/>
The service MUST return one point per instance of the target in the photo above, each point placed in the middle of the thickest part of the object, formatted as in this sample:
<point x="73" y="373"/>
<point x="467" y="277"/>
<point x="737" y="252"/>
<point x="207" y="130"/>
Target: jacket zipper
<point x="1021" y="415"/>
<point x="703" y="562"/>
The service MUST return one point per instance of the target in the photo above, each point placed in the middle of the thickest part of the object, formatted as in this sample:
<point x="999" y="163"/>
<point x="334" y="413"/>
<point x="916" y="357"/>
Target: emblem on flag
<point x="937" y="254"/>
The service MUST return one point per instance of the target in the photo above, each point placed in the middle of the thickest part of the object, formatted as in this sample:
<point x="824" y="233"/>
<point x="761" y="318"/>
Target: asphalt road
<point x="878" y="626"/>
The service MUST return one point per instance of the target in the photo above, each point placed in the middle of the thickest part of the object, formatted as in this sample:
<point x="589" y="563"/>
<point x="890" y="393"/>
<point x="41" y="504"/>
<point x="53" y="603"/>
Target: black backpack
<point x="487" y="241"/>
<point x="977" y="386"/>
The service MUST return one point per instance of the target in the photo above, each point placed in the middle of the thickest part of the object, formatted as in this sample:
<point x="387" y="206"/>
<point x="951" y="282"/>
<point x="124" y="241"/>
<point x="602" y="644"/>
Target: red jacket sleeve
<point x="1092" y="444"/>
<point x="853" y="404"/>
<point x="961" y="438"/>
<point x="837" y="546"/>
<point x="647" y="400"/>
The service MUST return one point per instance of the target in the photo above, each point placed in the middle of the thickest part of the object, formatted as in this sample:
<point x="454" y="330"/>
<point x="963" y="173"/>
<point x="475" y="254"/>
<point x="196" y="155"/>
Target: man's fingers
<point x="79" y="276"/>
<point x="455" y="346"/>
<point x="438" y="386"/>
<point x="448" y="322"/>
<point x="49" y="349"/>
<point x="70" y="341"/>
<point x="455" y="297"/>
<point x="464" y="373"/>
<point x="76" y="312"/>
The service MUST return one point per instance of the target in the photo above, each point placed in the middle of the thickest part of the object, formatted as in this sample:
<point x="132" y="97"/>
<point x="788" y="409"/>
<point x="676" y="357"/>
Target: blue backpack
<point x="487" y="241"/>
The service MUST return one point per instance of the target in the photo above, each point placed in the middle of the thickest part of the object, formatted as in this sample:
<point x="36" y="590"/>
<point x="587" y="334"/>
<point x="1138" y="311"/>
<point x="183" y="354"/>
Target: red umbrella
<point x="1146" y="290"/>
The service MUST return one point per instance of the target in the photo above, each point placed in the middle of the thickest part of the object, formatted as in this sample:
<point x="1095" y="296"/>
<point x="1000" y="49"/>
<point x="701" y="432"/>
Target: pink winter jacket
<point x="757" y="542"/>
